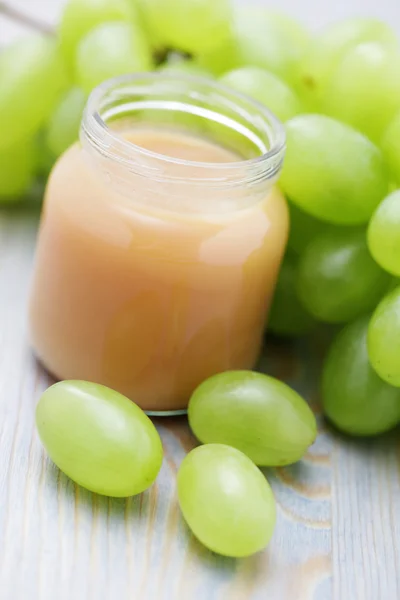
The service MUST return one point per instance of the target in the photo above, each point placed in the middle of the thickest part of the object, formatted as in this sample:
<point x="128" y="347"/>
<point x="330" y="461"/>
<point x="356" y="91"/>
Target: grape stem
<point x="163" y="55"/>
<point x="19" y="17"/>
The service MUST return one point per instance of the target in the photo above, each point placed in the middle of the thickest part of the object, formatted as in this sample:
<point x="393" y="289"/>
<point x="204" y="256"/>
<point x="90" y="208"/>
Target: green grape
<point x="63" y="126"/>
<point x="354" y="398"/>
<point x="32" y="78"/>
<point x="265" y="87"/>
<point x="226" y="500"/>
<point x="337" y="278"/>
<point x="155" y="41"/>
<point x="328" y="49"/>
<point x="45" y="158"/>
<point x="384" y="234"/>
<point x="365" y="89"/>
<point x="188" y="25"/>
<point x="109" y="50"/>
<point x="393" y="283"/>
<point x="255" y="413"/>
<point x="80" y="16"/>
<point x="331" y="171"/>
<point x="304" y="228"/>
<point x="17" y="166"/>
<point x="384" y="338"/>
<point x="294" y="30"/>
<point x="260" y="37"/>
<point x="220" y="59"/>
<point x="99" y="438"/>
<point x="288" y="316"/>
<point x="261" y="41"/>
<point x="391" y="148"/>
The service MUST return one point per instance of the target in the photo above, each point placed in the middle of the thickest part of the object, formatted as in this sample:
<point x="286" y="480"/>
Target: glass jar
<point x="153" y="273"/>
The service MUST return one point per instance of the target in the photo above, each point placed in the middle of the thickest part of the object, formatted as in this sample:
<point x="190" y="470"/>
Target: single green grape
<point x="384" y="234"/>
<point x="262" y="41"/>
<point x="331" y="171"/>
<point x="17" y="168"/>
<point x="304" y="228"/>
<point x="338" y="280"/>
<point x="255" y="413"/>
<point x="187" y="25"/>
<point x="364" y="90"/>
<point x="32" y="78"/>
<point x="109" y="50"/>
<point x="99" y="438"/>
<point x="63" y="126"/>
<point x="326" y="51"/>
<point x="226" y="500"/>
<point x="265" y="87"/>
<point x="384" y="338"/>
<point x="80" y="16"/>
<point x="391" y="148"/>
<point x="287" y="316"/>
<point x="354" y="398"/>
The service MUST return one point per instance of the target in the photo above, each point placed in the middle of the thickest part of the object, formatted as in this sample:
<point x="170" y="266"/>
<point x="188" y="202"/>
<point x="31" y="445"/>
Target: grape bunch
<point x="338" y="95"/>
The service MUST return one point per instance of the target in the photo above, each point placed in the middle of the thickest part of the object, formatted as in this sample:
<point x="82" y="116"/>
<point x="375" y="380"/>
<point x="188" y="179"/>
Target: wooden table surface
<point x="338" y="527"/>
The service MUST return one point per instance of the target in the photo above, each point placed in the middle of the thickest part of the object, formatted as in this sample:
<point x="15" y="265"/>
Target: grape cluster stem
<point x="19" y="17"/>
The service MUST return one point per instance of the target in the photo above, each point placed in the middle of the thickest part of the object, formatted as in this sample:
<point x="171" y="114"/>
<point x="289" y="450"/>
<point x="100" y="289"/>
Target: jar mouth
<point x="124" y="95"/>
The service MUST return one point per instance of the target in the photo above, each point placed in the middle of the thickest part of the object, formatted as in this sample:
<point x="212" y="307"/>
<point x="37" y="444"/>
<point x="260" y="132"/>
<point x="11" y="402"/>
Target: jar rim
<point x="95" y="127"/>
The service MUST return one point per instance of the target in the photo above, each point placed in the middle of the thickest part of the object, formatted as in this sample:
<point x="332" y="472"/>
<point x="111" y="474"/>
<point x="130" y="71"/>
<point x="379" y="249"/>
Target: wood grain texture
<point x="338" y="529"/>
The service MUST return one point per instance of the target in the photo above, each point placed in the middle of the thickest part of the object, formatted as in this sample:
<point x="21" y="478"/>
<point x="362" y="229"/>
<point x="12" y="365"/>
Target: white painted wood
<point x="338" y="524"/>
<point x="338" y="530"/>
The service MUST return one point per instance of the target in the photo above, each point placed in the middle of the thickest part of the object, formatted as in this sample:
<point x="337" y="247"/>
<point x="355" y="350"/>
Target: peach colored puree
<point x="147" y="301"/>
